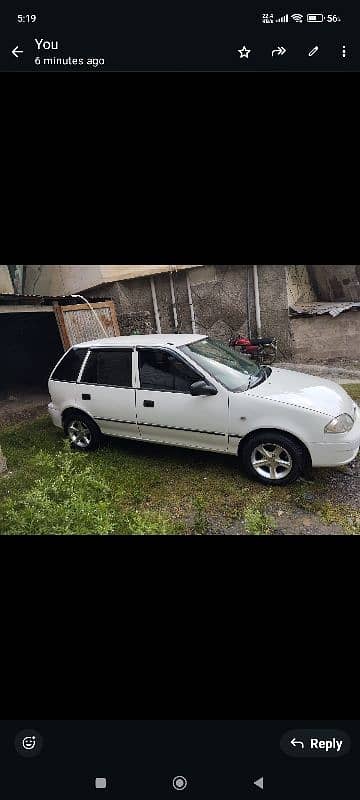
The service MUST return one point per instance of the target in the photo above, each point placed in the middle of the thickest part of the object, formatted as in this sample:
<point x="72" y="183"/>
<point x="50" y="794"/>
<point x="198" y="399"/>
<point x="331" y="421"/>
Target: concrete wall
<point x="274" y="305"/>
<point x="57" y="279"/>
<point x="336" y="281"/>
<point x="5" y="280"/>
<point x="318" y="339"/>
<point x="219" y="297"/>
<point x="299" y="286"/>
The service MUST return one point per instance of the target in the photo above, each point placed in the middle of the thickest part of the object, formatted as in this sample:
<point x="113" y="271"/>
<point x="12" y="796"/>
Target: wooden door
<point x="78" y="323"/>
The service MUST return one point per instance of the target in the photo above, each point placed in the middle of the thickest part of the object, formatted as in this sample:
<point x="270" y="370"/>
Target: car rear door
<point x="167" y="411"/>
<point x="105" y="390"/>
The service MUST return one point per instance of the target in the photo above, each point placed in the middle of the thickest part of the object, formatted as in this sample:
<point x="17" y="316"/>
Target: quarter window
<point x="165" y="372"/>
<point x="109" y="368"/>
<point x="69" y="368"/>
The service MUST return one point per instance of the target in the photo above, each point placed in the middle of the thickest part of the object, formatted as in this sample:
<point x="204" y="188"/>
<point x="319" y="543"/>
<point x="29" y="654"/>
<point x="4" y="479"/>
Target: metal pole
<point x="257" y="301"/>
<point x="248" y="303"/>
<point x="193" y="323"/>
<point x="91" y="309"/>
<point x="156" y="308"/>
<point x="174" y="302"/>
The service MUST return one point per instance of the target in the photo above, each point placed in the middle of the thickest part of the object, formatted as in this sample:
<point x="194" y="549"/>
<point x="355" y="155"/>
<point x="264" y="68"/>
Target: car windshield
<point x="234" y="371"/>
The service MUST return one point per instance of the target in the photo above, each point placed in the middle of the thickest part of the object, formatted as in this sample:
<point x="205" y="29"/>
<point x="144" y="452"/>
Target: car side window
<point x="109" y="368"/>
<point x="69" y="368"/>
<point x="165" y="372"/>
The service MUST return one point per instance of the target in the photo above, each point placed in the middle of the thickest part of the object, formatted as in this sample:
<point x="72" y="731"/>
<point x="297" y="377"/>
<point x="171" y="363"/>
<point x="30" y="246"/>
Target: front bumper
<point x="55" y="415"/>
<point x="337" y="449"/>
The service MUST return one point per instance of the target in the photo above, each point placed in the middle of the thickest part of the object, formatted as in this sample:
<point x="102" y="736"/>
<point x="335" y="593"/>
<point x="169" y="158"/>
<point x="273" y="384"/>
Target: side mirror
<point x="202" y="388"/>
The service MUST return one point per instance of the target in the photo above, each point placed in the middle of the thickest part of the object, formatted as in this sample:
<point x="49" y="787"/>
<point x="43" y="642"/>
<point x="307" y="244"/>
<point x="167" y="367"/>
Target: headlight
<point x="340" y="424"/>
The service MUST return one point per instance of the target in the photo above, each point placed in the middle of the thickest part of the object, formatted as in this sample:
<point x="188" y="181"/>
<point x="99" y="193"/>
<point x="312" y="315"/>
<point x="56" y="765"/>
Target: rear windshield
<point x="69" y="368"/>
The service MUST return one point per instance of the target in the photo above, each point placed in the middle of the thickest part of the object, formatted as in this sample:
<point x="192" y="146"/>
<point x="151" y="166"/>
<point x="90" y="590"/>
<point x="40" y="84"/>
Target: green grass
<point x="134" y="488"/>
<point x="353" y="389"/>
<point x="257" y="521"/>
<point x="124" y="487"/>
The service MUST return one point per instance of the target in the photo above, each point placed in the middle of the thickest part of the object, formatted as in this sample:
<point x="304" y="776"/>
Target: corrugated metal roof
<point x="313" y="309"/>
<point x="41" y="299"/>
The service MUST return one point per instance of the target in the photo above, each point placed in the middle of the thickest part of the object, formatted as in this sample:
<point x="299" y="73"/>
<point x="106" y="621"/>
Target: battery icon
<point x="315" y="18"/>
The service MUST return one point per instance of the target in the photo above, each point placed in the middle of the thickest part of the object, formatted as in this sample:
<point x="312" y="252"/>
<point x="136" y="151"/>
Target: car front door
<point x="168" y="412"/>
<point x="105" y="390"/>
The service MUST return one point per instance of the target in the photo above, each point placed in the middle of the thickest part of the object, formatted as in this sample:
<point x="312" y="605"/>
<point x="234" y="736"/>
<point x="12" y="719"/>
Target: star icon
<point x="244" y="52"/>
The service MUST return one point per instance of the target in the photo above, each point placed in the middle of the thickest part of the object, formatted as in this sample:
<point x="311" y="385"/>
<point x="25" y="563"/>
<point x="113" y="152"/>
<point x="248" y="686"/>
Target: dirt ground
<point x="19" y="405"/>
<point x="339" y="371"/>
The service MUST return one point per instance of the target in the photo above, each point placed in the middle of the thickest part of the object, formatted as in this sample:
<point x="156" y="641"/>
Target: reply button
<point x="315" y="743"/>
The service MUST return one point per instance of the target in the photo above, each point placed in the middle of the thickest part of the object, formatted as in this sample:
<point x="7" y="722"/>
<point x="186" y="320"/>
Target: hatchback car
<point x="194" y="391"/>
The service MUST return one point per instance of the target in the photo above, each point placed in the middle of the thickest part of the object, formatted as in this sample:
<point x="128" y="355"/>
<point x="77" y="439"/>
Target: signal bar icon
<point x="285" y="18"/>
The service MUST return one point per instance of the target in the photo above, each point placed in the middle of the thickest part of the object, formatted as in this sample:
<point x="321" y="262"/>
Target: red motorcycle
<point x="263" y="351"/>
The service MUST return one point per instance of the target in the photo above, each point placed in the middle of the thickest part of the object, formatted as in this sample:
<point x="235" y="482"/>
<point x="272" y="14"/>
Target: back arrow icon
<point x="16" y="51"/>
<point x="280" y="51"/>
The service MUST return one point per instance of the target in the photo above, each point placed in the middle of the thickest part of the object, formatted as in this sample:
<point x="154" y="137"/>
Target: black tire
<point x="276" y="446"/>
<point x="76" y="421"/>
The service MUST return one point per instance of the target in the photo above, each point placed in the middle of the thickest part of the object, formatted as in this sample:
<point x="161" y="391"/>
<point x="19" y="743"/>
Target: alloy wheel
<point x="79" y="433"/>
<point x="271" y="461"/>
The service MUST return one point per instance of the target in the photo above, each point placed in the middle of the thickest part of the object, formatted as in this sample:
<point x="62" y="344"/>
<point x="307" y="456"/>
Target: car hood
<point x="306" y="391"/>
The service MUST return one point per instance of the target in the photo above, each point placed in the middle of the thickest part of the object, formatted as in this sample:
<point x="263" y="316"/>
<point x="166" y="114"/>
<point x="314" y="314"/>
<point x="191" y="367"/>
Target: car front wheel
<point x="273" y="459"/>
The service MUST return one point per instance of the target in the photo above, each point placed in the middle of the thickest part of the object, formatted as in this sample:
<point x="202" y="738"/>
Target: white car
<point x="193" y="391"/>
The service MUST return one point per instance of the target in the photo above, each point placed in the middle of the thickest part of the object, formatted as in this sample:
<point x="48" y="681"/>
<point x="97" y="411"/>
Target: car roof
<point x="156" y="340"/>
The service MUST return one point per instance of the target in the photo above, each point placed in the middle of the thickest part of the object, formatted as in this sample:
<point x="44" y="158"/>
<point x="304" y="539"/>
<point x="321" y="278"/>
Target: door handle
<point x="149" y="403"/>
<point x="86" y="397"/>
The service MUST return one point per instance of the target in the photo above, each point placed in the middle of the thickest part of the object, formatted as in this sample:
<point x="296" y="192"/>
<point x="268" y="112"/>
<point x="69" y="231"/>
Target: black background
<point x="219" y="758"/>
<point x="178" y="35"/>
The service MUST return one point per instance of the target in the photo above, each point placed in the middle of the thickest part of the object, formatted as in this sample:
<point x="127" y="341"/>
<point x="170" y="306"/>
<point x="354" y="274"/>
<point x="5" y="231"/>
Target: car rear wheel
<point x="273" y="459"/>
<point x="83" y="434"/>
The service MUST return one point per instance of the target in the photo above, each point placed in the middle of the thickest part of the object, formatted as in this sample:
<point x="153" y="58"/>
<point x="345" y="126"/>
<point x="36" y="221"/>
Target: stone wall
<point x="336" y="281"/>
<point x="299" y="285"/>
<point x="133" y="304"/>
<point x="219" y="296"/>
<point x="325" y="338"/>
